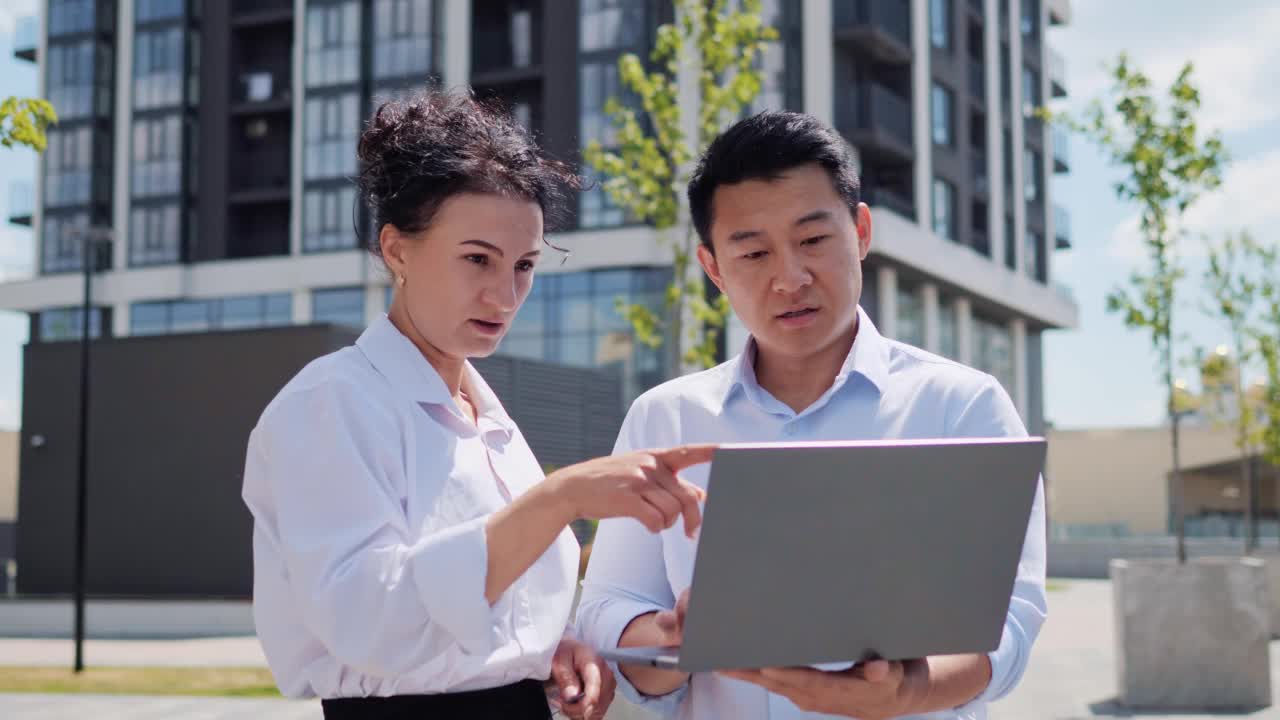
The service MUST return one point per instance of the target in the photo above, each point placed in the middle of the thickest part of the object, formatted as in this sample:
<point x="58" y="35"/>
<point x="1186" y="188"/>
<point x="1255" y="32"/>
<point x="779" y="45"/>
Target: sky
<point x="1097" y="375"/>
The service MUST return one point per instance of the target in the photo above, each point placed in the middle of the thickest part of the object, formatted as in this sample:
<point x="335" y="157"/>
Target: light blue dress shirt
<point x="885" y="389"/>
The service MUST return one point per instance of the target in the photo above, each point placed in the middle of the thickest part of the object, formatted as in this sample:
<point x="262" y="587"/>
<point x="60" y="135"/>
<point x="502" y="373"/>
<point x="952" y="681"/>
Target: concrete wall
<point x="1119" y="477"/>
<point x="1088" y="558"/>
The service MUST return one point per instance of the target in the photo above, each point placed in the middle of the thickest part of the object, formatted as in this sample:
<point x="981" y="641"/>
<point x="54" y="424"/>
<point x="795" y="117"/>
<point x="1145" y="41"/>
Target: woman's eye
<point x="477" y="259"/>
<point x="524" y="266"/>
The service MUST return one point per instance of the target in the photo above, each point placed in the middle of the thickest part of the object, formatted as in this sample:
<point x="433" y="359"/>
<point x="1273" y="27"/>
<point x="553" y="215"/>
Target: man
<point x="775" y="202"/>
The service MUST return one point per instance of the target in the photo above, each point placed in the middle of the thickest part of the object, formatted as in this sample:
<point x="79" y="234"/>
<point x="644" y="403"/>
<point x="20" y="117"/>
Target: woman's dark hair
<point x="763" y="147"/>
<point x="418" y="151"/>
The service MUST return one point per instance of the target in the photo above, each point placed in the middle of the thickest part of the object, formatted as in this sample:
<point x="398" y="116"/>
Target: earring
<point x="400" y="279"/>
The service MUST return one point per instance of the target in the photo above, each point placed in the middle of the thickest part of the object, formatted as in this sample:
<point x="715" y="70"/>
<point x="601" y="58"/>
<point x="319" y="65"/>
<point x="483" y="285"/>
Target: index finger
<point x="683" y="456"/>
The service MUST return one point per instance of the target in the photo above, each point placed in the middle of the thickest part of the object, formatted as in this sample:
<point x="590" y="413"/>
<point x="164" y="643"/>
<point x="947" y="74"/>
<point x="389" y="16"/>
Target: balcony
<point x="885" y="199"/>
<point x="26" y="38"/>
<point x="262" y="91"/>
<point x="248" y="13"/>
<point x="1061" y="150"/>
<point x="259" y="161"/>
<point x="1057" y="73"/>
<point x="879" y="28"/>
<point x="21" y="202"/>
<point x="981" y="182"/>
<point x="977" y="81"/>
<point x="1061" y="228"/>
<point x="877" y="121"/>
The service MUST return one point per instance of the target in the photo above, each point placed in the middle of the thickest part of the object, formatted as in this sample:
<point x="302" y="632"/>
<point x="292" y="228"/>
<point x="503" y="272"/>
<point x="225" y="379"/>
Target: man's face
<point x="788" y="254"/>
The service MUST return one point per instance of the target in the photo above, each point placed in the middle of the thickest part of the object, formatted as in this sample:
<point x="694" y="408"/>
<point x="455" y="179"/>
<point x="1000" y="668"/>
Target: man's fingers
<point x="565" y="677"/>
<point x="592" y="682"/>
<point x="873" y="670"/>
<point x="666" y="503"/>
<point x="669" y="623"/>
<point x="683" y="456"/>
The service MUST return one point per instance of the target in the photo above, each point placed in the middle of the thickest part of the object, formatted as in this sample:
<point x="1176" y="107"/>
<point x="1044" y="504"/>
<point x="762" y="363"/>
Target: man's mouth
<point x="798" y="312"/>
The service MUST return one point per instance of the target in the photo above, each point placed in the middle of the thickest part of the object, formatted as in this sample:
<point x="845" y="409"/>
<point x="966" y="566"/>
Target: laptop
<point x="830" y="553"/>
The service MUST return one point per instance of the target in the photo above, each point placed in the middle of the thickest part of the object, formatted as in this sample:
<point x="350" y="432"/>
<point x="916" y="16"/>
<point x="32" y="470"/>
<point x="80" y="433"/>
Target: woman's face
<point x="467" y="274"/>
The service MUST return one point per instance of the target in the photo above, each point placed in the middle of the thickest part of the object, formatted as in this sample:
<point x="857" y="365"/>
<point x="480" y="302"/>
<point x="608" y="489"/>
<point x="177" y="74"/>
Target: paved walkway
<point x="1071" y="676"/>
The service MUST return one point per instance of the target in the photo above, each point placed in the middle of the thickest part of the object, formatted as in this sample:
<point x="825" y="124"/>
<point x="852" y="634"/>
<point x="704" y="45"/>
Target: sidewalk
<point x="1071" y="675"/>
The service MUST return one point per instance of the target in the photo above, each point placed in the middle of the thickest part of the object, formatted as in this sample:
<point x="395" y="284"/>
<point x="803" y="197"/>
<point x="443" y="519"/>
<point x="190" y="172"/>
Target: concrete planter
<point x="1193" y="636"/>
<point x="1273" y="589"/>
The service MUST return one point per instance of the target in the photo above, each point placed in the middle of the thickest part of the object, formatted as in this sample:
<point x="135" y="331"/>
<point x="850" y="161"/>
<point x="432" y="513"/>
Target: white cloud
<point x="1245" y="201"/>
<point x="1231" y="46"/>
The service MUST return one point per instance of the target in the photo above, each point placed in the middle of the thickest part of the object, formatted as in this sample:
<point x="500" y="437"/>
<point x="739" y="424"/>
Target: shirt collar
<point x="869" y="357"/>
<point x="397" y="359"/>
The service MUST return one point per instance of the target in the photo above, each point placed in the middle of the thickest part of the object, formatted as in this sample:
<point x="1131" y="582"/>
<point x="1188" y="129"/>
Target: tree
<point x="1233" y="292"/>
<point x="23" y="121"/>
<point x="1266" y="334"/>
<point x="647" y="172"/>
<point x="1168" y="164"/>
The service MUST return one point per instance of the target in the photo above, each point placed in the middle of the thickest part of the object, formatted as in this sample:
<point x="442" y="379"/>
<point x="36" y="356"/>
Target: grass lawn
<point x="223" y="682"/>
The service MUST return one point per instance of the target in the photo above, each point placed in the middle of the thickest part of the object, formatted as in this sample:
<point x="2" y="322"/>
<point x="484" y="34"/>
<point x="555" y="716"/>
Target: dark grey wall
<point x="7" y="530"/>
<point x="1035" y="382"/>
<point x="170" y="417"/>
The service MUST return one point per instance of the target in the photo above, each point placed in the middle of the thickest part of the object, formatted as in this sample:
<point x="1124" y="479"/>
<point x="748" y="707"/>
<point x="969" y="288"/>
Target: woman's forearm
<point x="643" y="631"/>
<point x="519" y="534"/>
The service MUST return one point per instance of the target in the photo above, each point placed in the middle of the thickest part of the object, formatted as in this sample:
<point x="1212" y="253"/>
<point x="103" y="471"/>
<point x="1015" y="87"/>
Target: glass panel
<point x="333" y="44"/>
<point x="577" y="350"/>
<point x="190" y="316"/>
<point x="157" y="69"/>
<point x="948" y="341"/>
<point x="944" y="216"/>
<point x="404" y="38"/>
<point x="940" y="23"/>
<point x="943" y="125"/>
<point x="70" y="79"/>
<point x="279" y="310"/>
<point x="64" y="324"/>
<point x="910" y="317"/>
<point x="533" y="347"/>
<point x="611" y="24"/>
<point x="242" y="312"/>
<point x="340" y="306"/>
<point x="149" y="318"/>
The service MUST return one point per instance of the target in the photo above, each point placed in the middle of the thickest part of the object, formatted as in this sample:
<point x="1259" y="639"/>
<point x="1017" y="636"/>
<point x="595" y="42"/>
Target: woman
<point x="410" y="558"/>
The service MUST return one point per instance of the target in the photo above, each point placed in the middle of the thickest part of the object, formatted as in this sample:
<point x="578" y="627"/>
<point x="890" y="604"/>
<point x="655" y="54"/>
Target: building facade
<point x="216" y="140"/>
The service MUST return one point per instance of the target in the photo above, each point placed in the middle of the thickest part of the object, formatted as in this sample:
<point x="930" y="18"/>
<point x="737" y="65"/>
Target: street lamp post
<point x="91" y="237"/>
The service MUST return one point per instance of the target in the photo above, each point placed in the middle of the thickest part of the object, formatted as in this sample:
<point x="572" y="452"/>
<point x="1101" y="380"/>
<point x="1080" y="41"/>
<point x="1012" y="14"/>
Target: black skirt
<point x="525" y="700"/>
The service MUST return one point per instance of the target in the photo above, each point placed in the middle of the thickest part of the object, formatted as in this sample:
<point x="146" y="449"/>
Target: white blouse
<point x="370" y="492"/>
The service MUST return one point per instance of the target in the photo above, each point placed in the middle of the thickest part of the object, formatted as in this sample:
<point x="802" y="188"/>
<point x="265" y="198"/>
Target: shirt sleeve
<point x="990" y="413"/>
<point x="321" y="480"/>
<point x="626" y="578"/>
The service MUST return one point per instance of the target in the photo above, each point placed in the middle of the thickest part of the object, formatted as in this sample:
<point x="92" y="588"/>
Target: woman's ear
<point x="393" y="245"/>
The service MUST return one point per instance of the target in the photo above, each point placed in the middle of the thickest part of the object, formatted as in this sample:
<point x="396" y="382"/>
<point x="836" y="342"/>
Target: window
<point x="1030" y="18"/>
<point x="231" y="313"/>
<point x="157" y="156"/>
<point x="599" y="83"/>
<point x="61" y="324"/>
<point x="944" y="210"/>
<point x="68" y="166"/>
<point x="521" y="38"/>
<point x="340" y="306"/>
<point x="71" y="79"/>
<point x="611" y="24"/>
<point x="993" y="350"/>
<point x="572" y="318"/>
<point x="328" y="219"/>
<point x="1031" y="175"/>
<point x="780" y="62"/>
<point x="1030" y="90"/>
<point x="943" y="112"/>
<point x="157" y="68"/>
<point x="333" y="44"/>
<point x="910" y="316"/>
<point x="150" y="10"/>
<point x="70" y="16"/>
<point x="940" y="23"/>
<point x="332" y="125"/>
<point x="154" y="235"/>
<point x="948" y="338"/>
<point x="60" y="249"/>
<point x="1031" y="256"/>
<point x="403" y="38"/>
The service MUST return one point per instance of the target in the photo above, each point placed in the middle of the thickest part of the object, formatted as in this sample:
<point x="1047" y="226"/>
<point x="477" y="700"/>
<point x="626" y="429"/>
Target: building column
<point x="123" y="128"/>
<point x="1018" y="330"/>
<point x="120" y="321"/>
<point x="298" y="130"/>
<point x="301" y="306"/>
<point x="995" y="130"/>
<point x="964" y="330"/>
<point x="932" y="333"/>
<point x="887" y="288"/>
<point x="457" y="44"/>
<point x="1017" y="125"/>
<point x="1050" y="239"/>
<point x="921" y="95"/>
<point x="819" y="60"/>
